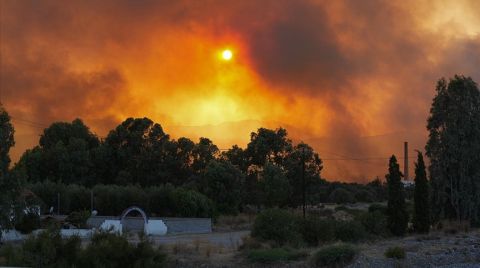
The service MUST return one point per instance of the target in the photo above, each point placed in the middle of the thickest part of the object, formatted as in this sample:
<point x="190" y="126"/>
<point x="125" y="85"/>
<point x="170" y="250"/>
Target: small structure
<point x="150" y="227"/>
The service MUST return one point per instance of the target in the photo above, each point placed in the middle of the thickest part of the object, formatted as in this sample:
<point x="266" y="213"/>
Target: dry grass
<point x="233" y="223"/>
<point x="453" y="227"/>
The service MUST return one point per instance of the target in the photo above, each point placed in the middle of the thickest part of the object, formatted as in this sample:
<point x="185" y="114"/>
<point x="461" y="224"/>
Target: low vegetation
<point x="278" y="226"/>
<point x="275" y="255"/>
<point x="48" y="249"/>
<point x="395" y="253"/>
<point x="337" y="255"/>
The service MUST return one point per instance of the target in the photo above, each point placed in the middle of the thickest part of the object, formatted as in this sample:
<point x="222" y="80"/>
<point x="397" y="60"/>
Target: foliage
<point x="397" y="216"/>
<point x="6" y="140"/>
<point x="377" y="207"/>
<point x="316" y="230"/>
<point x="421" y="216"/>
<point x="395" y="253"/>
<point x="364" y="196"/>
<point x="274" y="255"/>
<point x="78" y="218"/>
<point x="342" y="196"/>
<point x="453" y="146"/>
<point x="275" y="186"/>
<point x="350" y="231"/>
<point x="223" y="183"/>
<point x="189" y="203"/>
<point x="338" y="255"/>
<point x="11" y="255"/>
<point x="277" y="225"/>
<point x="48" y="249"/>
<point x="28" y="222"/>
<point x="374" y="222"/>
<point x="9" y="187"/>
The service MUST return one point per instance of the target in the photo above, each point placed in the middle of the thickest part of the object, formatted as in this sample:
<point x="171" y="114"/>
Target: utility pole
<point x="91" y="201"/>
<point x="58" y="203"/>
<point x="405" y="163"/>
<point x="303" y="180"/>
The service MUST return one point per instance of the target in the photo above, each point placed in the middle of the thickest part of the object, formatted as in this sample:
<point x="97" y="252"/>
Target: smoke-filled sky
<point x="354" y="79"/>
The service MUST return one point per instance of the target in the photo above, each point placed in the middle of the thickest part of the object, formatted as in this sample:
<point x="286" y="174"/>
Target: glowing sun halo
<point x="227" y="54"/>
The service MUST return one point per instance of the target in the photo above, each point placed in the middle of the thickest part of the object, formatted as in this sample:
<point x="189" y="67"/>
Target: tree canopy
<point x="453" y="148"/>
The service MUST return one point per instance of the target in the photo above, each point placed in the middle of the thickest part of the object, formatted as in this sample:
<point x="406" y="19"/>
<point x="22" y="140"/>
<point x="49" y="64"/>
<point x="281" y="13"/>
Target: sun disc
<point x="227" y="54"/>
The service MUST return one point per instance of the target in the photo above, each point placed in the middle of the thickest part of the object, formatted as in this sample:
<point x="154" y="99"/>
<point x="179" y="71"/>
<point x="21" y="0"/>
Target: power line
<point x="29" y="122"/>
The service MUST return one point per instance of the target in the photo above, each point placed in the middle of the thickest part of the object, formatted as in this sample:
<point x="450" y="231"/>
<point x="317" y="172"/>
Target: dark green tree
<point x="64" y="155"/>
<point x="397" y="216"/>
<point x="293" y="164"/>
<point x="9" y="187"/>
<point x="6" y="140"/>
<point x="203" y="152"/>
<point x="223" y="183"/>
<point x="453" y="148"/>
<point x="135" y="150"/>
<point x="421" y="217"/>
<point x="268" y="145"/>
<point x="275" y="186"/>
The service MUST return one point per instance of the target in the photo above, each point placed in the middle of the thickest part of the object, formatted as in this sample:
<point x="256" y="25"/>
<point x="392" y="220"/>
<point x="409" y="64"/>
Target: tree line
<point x="267" y="173"/>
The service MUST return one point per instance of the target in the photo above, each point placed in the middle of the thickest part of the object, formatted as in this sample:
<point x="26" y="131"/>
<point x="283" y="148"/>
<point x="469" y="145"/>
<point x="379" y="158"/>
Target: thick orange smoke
<point x="353" y="78"/>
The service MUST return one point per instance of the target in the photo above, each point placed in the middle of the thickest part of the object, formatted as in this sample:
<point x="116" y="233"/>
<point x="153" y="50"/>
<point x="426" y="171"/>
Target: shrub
<point x="249" y="242"/>
<point x="48" y="249"/>
<point x="342" y="196"/>
<point x="190" y="203"/>
<point x="315" y="230"/>
<point x="11" y="255"/>
<point x="364" y="196"/>
<point x="395" y="253"/>
<point x="274" y="255"/>
<point x="377" y="207"/>
<point x="28" y="223"/>
<point x="111" y="250"/>
<point x="75" y="198"/>
<point x="350" y="231"/>
<point x="334" y="256"/>
<point x="374" y="223"/>
<point x="277" y="225"/>
<point x="160" y="200"/>
<point x="78" y="218"/>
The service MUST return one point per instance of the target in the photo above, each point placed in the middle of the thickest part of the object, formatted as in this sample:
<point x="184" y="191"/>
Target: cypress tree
<point x="421" y="218"/>
<point x="397" y="216"/>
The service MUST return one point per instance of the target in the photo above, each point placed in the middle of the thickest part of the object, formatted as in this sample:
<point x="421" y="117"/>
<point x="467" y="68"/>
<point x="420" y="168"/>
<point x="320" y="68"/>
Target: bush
<point x="334" y="256"/>
<point x="78" y="218"/>
<point x="315" y="230"/>
<point x="395" y="253"/>
<point x="364" y="196"/>
<point x="28" y="223"/>
<point x="75" y="198"/>
<point x="160" y="200"/>
<point x="48" y="249"/>
<point x="378" y="207"/>
<point x="277" y="225"/>
<point x="11" y="255"/>
<point x="350" y="231"/>
<point x="342" y="196"/>
<point x="189" y="203"/>
<point x="274" y="255"/>
<point x="111" y="250"/>
<point x="374" y="223"/>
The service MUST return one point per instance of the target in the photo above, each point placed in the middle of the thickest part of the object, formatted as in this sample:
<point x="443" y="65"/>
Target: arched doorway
<point x="139" y="210"/>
